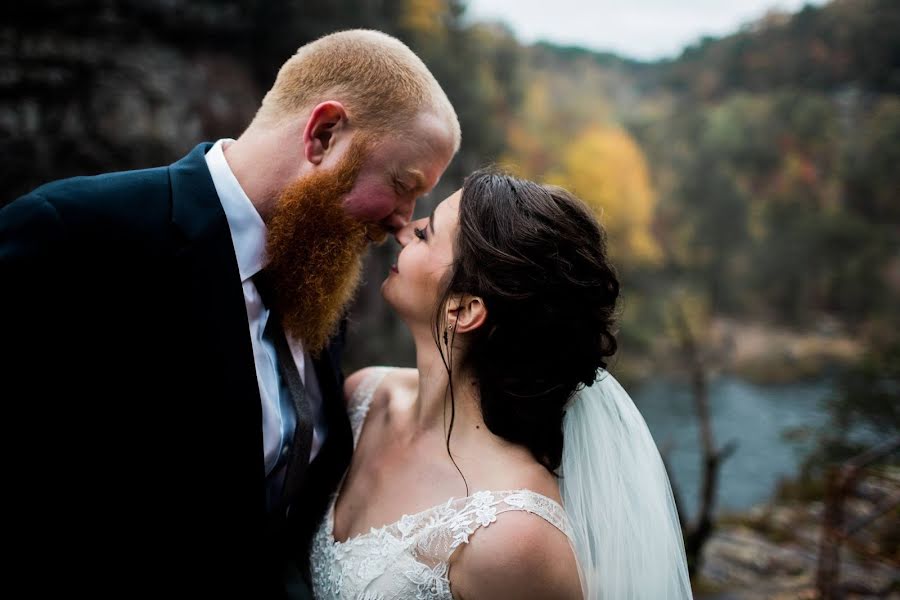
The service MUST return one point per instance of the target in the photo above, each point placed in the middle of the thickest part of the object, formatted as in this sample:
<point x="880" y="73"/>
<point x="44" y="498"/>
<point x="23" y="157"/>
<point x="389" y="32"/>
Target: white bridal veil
<point x="626" y="533"/>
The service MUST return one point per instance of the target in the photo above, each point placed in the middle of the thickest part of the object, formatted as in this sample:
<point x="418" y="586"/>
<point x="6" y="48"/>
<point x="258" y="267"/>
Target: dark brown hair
<point x="536" y="256"/>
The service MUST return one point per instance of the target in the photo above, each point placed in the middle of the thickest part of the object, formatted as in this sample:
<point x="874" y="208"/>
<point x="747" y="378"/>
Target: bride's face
<point x="415" y="281"/>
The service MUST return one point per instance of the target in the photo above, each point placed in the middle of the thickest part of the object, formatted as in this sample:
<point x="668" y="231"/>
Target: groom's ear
<point x="467" y="313"/>
<point x="325" y="120"/>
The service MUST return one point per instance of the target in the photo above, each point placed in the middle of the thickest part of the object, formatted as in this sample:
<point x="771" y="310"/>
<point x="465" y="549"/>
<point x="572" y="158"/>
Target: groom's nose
<point x="404" y="234"/>
<point x="401" y="216"/>
<point x="395" y="223"/>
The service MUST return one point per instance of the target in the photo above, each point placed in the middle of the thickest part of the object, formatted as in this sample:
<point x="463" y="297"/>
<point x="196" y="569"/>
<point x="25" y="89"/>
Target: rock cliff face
<point x="88" y="87"/>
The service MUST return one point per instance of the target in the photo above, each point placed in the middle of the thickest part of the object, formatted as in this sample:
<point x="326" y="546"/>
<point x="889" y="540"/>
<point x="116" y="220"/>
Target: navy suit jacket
<point x="132" y="416"/>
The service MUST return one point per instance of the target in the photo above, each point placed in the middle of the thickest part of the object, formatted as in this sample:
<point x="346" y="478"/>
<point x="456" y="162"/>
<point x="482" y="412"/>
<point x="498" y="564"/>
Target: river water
<point x="756" y="416"/>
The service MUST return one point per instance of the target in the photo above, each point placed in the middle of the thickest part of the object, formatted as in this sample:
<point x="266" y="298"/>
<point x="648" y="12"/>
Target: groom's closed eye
<point x="410" y="182"/>
<point x="400" y="187"/>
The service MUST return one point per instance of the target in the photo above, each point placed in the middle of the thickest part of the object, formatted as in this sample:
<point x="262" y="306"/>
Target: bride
<point x="509" y="463"/>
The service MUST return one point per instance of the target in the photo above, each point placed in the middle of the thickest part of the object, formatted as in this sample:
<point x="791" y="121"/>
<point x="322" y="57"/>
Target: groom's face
<point x="325" y="219"/>
<point x="398" y="169"/>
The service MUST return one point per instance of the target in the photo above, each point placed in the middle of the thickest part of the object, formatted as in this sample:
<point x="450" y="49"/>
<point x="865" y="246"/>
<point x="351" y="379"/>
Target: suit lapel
<point x="210" y="276"/>
<point x="335" y="409"/>
<point x="326" y="471"/>
<point x="339" y="443"/>
<point x="217" y="315"/>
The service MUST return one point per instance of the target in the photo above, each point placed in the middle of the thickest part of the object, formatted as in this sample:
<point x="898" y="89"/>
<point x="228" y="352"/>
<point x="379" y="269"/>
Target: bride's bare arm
<point x="519" y="556"/>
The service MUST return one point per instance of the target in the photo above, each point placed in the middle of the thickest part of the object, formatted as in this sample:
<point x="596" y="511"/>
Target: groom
<point x="170" y="381"/>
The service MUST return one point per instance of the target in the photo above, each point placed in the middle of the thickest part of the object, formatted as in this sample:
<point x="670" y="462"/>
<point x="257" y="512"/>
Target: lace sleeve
<point x="410" y="558"/>
<point x="451" y="525"/>
<point x="358" y="403"/>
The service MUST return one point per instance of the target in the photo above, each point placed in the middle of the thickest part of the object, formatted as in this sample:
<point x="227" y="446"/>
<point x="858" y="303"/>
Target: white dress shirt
<point x="248" y="234"/>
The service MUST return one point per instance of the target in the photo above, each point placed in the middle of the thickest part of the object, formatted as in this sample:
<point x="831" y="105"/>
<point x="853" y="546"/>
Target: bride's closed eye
<point x="419" y="233"/>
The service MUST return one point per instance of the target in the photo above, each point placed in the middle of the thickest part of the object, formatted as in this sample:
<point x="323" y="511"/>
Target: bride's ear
<point x="466" y="313"/>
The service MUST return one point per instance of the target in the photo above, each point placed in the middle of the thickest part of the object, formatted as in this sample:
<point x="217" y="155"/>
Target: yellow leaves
<point x="564" y="132"/>
<point x="425" y="17"/>
<point x="606" y="168"/>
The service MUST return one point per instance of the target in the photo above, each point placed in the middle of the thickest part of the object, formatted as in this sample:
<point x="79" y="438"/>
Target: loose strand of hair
<point x="448" y="366"/>
<point x="450" y="432"/>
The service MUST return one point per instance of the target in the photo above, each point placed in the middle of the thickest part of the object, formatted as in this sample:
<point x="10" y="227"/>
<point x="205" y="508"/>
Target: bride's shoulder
<point x="379" y="381"/>
<point x="520" y="555"/>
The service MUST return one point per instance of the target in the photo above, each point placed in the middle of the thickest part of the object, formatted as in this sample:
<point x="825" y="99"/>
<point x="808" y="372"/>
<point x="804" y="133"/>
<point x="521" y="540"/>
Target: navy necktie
<point x="287" y="475"/>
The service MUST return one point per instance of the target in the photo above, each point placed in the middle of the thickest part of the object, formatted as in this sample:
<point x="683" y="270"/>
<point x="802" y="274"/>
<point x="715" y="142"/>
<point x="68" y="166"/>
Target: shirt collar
<point x="248" y="231"/>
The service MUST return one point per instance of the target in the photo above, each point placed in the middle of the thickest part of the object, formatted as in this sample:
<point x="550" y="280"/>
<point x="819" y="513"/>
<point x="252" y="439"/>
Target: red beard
<point x="315" y="251"/>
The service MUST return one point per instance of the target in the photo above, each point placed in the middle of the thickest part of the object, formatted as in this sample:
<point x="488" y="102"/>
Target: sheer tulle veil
<point x="616" y="493"/>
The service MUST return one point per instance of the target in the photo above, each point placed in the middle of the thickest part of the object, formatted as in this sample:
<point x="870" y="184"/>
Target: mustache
<point x="377" y="233"/>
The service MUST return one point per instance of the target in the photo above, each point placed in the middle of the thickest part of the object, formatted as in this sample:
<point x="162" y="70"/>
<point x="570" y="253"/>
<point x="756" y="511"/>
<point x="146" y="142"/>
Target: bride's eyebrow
<point x="431" y="219"/>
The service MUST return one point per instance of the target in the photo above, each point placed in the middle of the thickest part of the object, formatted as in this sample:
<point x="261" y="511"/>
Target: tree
<point x="606" y="168"/>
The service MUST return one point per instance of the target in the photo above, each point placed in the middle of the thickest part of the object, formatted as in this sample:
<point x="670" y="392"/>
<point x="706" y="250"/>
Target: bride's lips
<point x="394" y="268"/>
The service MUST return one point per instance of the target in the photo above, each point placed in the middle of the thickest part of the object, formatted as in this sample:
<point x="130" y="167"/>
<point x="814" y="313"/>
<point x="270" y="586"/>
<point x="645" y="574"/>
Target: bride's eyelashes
<point x="419" y="233"/>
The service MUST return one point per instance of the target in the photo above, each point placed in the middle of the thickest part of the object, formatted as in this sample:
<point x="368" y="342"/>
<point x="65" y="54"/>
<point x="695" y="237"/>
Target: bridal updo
<point x="536" y="256"/>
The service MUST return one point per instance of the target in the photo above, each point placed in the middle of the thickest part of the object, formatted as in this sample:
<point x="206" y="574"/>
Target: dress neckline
<point x="418" y="515"/>
<point x="366" y="392"/>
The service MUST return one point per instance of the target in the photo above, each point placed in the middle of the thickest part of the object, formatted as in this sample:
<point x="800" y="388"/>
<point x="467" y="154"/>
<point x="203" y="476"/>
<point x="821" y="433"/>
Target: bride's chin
<point x="393" y="297"/>
<point x="386" y="290"/>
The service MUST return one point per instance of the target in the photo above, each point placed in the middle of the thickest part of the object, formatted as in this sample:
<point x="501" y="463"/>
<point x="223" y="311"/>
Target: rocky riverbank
<point x="766" y="354"/>
<point x="758" y="352"/>
<point x="771" y="551"/>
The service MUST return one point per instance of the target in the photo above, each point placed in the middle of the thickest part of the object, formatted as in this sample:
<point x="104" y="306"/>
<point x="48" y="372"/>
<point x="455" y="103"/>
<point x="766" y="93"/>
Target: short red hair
<point x="380" y="81"/>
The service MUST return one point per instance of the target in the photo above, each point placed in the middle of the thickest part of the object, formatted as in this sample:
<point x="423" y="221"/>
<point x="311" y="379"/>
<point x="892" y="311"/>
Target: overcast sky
<point x="645" y="29"/>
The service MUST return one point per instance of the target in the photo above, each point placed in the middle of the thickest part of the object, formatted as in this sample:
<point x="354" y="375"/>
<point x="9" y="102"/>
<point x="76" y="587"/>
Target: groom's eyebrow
<point x="418" y="179"/>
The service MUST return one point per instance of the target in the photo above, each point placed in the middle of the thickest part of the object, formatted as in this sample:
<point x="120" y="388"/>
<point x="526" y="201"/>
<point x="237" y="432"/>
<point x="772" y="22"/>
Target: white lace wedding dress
<point x="409" y="558"/>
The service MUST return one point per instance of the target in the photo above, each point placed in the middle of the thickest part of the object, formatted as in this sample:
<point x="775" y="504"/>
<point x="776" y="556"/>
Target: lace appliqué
<point x="410" y="558"/>
<point x="358" y="403"/>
